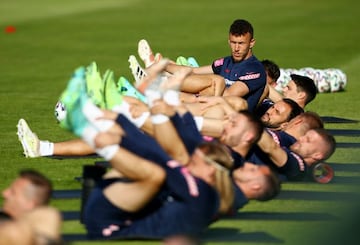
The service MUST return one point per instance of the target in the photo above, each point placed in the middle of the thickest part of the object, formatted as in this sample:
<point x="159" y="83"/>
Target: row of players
<point x="182" y="160"/>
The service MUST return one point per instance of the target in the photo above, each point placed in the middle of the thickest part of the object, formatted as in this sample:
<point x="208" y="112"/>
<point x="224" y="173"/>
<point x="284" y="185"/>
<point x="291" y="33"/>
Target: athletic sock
<point x="89" y="134"/>
<point x="92" y="113"/>
<point x="46" y="148"/>
<point x="108" y="152"/>
<point x="159" y="118"/>
<point x="199" y="121"/>
<point x="172" y="97"/>
<point x="124" y="109"/>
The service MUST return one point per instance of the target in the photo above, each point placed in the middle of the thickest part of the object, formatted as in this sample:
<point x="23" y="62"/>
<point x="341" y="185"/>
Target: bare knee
<point x="219" y="85"/>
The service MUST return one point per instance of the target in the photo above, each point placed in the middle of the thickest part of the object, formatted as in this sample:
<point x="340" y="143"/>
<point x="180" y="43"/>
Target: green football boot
<point x="127" y="89"/>
<point x="74" y="97"/>
<point x="95" y="85"/>
<point x="181" y="60"/>
<point x="111" y="95"/>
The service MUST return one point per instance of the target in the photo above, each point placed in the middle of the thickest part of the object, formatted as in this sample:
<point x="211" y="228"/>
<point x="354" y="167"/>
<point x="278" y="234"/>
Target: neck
<point x="301" y="103"/>
<point x="296" y="133"/>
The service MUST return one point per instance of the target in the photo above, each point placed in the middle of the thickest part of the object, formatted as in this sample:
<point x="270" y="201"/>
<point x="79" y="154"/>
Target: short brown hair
<point x="42" y="184"/>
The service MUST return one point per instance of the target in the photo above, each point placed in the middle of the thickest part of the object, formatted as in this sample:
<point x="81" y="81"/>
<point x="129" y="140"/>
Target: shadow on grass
<point x="284" y="216"/>
<point x="345" y="132"/>
<point x="70" y="215"/>
<point x="331" y="119"/>
<point x="317" y="195"/>
<point x="346" y="180"/>
<point x="66" y="194"/>
<point x="298" y="216"/>
<point x="212" y="235"/>
<point x="351" y="167"/>
<point x="347" y="145"/>
<point x="227" y="234"/>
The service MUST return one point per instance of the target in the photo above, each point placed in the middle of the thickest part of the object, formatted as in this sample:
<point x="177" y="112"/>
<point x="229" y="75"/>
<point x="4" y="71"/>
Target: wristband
<point x="171" y="97"/>
<point x="199" y="121"/>
<point x="159" y="118"/>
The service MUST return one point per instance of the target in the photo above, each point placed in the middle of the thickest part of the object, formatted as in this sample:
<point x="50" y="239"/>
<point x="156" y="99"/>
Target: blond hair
<point x="219" y="155"/>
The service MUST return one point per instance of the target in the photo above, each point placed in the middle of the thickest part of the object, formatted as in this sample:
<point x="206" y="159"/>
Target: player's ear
<point x="255" y="187"/>
<point x="252" y="42"/>
<point x="297" y="120"/>
<point x="301" y="95"/>
<point x="284" y="125"/>
<point x="318" y="156"/>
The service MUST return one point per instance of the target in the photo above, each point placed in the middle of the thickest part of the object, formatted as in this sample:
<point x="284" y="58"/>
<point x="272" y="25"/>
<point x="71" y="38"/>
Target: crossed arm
<point x="277" y="155"/>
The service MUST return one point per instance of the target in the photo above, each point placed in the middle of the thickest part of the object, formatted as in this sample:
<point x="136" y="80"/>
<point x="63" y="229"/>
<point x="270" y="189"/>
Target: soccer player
<point x="293" y="162"/>
<point x="240" y="74"/>
<point x="301" y="89"/>
<point x="272" y="72"/>
<point x="28" y="191"/>
<point x="26" y="217"/>
<point x="214" y="109"/>
<point x="297" y="127"/>
<point x="193" y="185"/>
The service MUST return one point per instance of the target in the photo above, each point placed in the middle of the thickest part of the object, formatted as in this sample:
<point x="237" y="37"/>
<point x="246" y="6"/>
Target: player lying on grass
<point x="26" y="217"/>
<point x="81" y="148"/>
<point x="277" y="117"/>
<point x="206" y="107"/>
<point x="193" y="200"/>
<point x="300" y="89"/>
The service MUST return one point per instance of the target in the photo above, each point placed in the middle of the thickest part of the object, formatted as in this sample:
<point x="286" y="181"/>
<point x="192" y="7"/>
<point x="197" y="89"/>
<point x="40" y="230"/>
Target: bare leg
<point x="75" y="147"/>
<point x="147" y="178"/>
<point x="204" y="84"/>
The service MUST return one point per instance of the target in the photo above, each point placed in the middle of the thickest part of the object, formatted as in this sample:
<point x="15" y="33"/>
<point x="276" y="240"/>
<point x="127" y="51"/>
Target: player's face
<point x="308" y="145"/>
<point x="250" y="172"/>
<point x="241" y="46"/>
<point x="15" y="199"/>
<point x="276" y="115"/>
<point x="234" y="129"/>
<point x="290" y="91"/>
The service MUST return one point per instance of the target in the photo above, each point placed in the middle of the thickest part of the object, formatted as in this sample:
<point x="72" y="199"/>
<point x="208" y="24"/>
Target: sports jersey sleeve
<point x="253" y="76"/>
<point x="294" y="168"/>
<point x="255" y="80"/>
<point x="188" y="131"/>
<point x="281" y="137"/>
<point x="217" y="66"/>
<point x="183" y="185"/>
<point x="141" y="144"/>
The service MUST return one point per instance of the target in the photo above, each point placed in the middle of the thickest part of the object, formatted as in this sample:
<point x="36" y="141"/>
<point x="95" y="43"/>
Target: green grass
<point x="53" y="38"/>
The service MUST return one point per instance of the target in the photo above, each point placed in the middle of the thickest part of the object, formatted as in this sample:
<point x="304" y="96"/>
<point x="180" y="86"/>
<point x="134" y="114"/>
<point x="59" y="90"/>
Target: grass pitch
<point x="53" y="38"/>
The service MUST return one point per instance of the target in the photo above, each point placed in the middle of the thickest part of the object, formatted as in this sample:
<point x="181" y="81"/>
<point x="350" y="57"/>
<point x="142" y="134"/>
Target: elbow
<point x="158" y="176"/>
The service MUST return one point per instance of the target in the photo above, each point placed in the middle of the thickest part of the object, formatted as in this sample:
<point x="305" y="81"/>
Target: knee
<point x="218" y="83"/>
<point x="158" y="176"/>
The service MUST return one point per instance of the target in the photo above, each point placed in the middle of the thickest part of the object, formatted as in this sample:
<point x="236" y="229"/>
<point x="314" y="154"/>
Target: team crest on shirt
<point x="219" y="62"/>
<point x="173" y="164"/>
<point x="249" y="77"/>
<point x="110" y="229"/>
